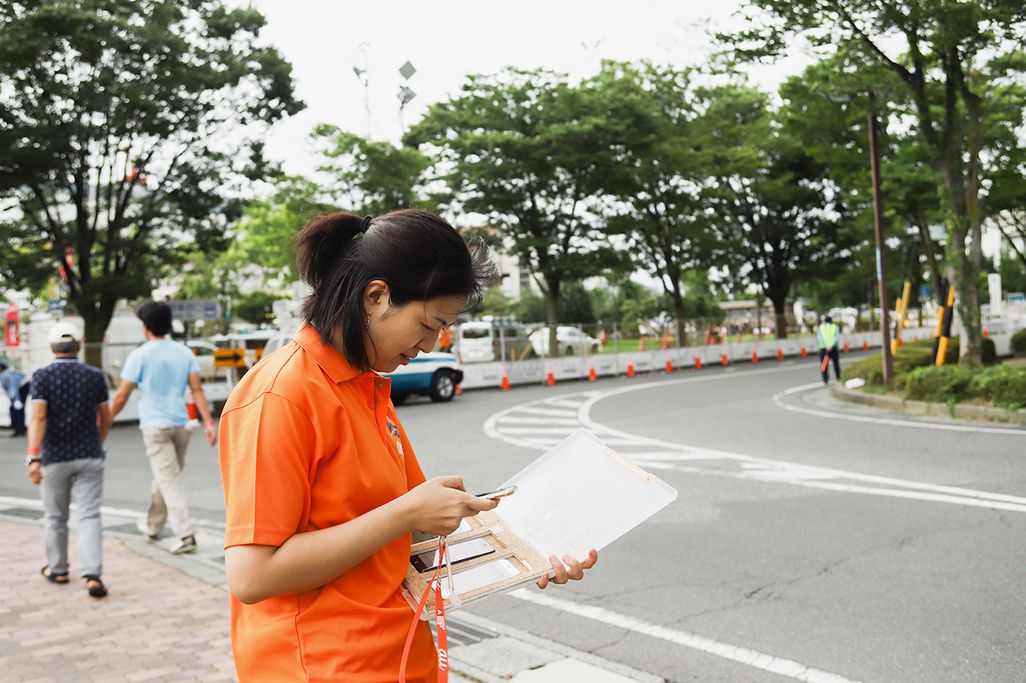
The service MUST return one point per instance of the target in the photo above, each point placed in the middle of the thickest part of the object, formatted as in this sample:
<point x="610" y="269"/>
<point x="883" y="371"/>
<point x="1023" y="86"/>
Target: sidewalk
<point x="166" y="619"/>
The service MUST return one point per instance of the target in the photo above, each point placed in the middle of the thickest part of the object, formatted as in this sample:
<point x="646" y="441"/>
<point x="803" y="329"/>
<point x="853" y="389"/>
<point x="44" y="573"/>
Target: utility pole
<point x="885" y="322"/>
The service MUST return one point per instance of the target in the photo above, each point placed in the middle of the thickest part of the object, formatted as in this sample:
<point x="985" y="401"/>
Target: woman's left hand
<point x="568" y="569"/>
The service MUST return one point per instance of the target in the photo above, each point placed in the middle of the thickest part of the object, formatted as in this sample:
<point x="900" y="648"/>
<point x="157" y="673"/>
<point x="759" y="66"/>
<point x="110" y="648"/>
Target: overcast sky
<point x="445" y="41"/>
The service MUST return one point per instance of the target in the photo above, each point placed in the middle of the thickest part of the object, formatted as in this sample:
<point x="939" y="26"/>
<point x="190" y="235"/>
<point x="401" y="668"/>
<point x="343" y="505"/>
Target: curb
<point x="958" y="411"/>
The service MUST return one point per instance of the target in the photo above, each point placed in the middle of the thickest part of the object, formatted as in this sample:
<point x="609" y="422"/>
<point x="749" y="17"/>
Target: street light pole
<point x="885" y="321"/>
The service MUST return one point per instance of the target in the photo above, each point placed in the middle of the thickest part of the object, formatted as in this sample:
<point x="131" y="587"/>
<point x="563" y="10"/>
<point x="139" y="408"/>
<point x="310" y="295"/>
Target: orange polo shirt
<point x="307" y="442"/>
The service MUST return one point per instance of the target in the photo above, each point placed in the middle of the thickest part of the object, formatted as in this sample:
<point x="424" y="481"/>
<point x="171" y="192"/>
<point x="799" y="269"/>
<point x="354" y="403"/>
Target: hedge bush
<point x="1002" y="385"/>
<point x="911" y="356"/>
<point x="944" y="384"/>
<point x="988" y="352"/>
<point x="1019" y="343"/>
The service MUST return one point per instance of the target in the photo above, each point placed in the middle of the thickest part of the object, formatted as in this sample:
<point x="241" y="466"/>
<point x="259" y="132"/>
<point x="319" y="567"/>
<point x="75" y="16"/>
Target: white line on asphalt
<point x="742" y="655"/>
<point x="551" y="412"/>
<point x="541" y="420"/>
<point x="915" y="424"/>
<point x="827" y="473"/>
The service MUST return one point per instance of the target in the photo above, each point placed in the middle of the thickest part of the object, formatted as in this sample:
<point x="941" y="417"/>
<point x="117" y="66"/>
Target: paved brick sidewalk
<point x="157" y="624"/>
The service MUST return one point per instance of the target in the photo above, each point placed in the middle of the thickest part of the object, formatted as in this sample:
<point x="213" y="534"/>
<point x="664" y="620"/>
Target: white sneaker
<point x="144" y="529"/>
<point x="184" y="545"/>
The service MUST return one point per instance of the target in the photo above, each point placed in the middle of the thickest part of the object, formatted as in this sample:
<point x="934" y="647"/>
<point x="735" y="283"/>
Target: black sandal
<point x="54" y="578"/>
<point x="97" y="591"/>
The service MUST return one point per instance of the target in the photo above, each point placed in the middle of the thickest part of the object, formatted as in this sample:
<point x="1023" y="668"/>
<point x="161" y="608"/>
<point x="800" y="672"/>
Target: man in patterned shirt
<point x="164" y="371"/>
<point x="70" y="421"/>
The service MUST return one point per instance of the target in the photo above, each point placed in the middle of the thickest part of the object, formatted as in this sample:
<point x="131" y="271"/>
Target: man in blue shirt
<point x="164" y="371"/>
<point x="70" y="421"/>
<point x="16" y="385"/>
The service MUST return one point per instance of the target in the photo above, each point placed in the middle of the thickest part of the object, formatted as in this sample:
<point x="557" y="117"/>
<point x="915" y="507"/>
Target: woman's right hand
<point x="439" y="505"/>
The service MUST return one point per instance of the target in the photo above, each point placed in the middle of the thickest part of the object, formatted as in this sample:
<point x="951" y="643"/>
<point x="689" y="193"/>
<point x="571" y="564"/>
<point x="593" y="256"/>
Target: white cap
<point x="64" y="331"/>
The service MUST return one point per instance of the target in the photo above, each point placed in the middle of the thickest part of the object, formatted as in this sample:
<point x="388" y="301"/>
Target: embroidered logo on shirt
<point x="392" y="429"/>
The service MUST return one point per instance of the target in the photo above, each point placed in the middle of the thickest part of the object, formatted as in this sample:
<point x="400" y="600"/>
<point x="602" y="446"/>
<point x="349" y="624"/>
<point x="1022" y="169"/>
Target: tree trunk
<point x="552" y="314"/>
<point x="780" y="314"/>
<point x="96" y="320"/>
<point x="678" y="314"/>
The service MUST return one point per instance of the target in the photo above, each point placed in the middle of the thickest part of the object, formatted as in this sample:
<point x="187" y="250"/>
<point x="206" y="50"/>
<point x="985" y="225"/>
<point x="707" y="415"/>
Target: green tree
<point x="529" y="151"/>
<point x="785" y="222"/>
<point x="254" y="307"/>
<point x="128" y="130"/>
<point x="678" y="143"/>
<point x="955" y="57"/>
<point x="370" y="176"/>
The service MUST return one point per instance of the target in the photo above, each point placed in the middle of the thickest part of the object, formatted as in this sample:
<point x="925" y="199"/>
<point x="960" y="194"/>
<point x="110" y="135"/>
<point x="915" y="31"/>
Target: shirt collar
<point x="325" y="355"/>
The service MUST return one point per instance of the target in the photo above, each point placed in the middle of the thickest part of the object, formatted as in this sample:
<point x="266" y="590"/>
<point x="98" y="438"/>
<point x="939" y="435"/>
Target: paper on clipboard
<point x="581" y="495"/>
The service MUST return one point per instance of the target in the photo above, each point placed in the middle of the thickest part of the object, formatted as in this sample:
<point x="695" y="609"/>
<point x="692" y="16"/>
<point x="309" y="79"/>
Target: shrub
<point x="1002" y="385"/>
<point x="912" y="355"/>
<point x="944" y="384"/>
<point x="989" y="352"/>
<point x="1019" y="343"/>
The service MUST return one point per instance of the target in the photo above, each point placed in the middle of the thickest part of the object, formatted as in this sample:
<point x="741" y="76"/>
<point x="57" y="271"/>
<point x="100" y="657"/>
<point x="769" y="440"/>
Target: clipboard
<point x="579" y="495"/>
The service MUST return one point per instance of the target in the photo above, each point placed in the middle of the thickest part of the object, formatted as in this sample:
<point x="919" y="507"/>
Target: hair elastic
<point x="365" y="224"/>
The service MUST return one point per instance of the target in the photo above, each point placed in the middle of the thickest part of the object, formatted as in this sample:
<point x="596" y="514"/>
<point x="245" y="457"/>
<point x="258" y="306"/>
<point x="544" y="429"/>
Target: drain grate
<point x="463" y="634"/>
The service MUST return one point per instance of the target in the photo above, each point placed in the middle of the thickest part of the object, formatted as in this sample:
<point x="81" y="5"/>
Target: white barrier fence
<point x="535" y="371"/>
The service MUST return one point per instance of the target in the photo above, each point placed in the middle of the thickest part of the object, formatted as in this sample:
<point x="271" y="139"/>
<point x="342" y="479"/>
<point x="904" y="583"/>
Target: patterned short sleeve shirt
<point x="72" y="392"/>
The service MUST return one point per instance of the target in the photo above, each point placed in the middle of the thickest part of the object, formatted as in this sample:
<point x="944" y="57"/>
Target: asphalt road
<point x="810" y="540"/>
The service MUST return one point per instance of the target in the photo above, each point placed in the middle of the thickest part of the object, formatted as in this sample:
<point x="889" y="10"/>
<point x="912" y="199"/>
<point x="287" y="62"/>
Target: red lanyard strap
<point x="443" y="641"/>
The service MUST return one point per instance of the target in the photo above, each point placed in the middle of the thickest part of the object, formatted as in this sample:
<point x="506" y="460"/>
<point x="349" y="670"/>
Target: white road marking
<point x="741" y="655"/>
<point x="914" y="424"/>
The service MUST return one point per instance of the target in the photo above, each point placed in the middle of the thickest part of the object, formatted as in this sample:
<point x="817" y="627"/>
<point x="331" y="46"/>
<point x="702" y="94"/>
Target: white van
<point x="478" y="341"/>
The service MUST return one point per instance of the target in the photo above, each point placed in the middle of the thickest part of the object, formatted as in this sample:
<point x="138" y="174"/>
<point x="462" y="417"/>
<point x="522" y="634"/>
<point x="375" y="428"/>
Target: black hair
<point x="417" y="253"/>
<point x="156" y="316"/>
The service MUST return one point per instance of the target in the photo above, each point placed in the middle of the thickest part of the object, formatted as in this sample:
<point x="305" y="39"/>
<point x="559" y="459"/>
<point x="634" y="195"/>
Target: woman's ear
<point x="376" y="297"/>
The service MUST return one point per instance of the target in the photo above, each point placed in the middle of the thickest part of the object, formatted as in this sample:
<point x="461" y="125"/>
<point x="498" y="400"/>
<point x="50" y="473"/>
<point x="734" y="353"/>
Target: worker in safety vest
<point x="828" y="335"/>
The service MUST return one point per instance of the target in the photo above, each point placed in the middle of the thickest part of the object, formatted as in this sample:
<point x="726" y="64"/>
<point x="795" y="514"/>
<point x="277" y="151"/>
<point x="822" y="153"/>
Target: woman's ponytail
<point x="323" y="243"/>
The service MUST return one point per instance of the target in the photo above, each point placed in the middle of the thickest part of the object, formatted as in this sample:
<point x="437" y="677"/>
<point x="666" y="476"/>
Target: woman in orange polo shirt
<point x="322" y="488"/>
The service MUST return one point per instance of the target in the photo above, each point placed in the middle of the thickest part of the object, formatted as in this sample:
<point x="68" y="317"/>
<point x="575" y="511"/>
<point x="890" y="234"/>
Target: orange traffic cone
<point x="780" y="353"/>
<point x="630" y="369"/>
<point x="805" y="351"/>
<point x="865" y="344"/>
<point x="504" y="384"/>
<point x="846" y="347"/>
<point x="669" y="365"/>
<point x="755" y="356"/>
<point x="550" y="379"/>
<point x="592" y="375"/>
<point x="458" y="390"/>
<point x="723" y="359"/>
<point x="698" y="362"/>
<point x="986" y="332"/>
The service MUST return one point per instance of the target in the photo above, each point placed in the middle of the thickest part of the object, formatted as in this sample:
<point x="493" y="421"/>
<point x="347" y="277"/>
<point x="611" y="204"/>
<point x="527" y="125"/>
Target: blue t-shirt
<point x="72" y="392"/>
<point x="160" y="369"/>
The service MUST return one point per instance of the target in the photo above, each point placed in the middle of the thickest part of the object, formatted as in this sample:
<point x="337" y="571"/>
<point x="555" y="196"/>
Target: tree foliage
<point x="129" y="129"/>
<point x="955" y="60"/>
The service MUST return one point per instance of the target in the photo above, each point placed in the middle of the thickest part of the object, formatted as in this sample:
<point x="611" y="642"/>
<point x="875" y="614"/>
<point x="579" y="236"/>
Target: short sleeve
<point x="132" y="369"/>
<point x="193" y="363"/>
<point x="266" y="450"/>
<point x="40" y="389"/>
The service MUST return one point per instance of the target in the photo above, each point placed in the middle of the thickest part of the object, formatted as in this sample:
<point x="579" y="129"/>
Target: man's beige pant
<point x="165" y="448"/>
